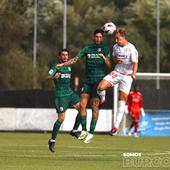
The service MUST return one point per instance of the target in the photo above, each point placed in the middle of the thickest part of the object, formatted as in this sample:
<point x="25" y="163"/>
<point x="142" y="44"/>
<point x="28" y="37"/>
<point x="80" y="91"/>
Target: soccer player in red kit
<point x="135" y="108"/>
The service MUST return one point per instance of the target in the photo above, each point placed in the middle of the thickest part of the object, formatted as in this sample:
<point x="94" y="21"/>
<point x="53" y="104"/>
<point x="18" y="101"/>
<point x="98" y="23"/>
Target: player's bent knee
<point x="100" y="86"/>
<point x="83" y="105"/>
<point x="122" y="96"/>
<point x="103" y="85"/>
<point x="61" y="117"/>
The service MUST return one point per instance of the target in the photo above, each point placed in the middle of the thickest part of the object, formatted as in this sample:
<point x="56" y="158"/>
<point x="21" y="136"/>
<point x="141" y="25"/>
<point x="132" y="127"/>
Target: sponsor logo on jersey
<point x="65" y="76"/>
<point x="92" y="56"/>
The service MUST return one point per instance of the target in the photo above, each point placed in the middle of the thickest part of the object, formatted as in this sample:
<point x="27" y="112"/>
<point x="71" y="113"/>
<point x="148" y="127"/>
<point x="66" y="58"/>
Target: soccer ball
<point x="109" y="28"/>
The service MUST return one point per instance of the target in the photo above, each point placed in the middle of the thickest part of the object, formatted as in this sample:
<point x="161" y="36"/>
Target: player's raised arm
<point x="69" y="62"/>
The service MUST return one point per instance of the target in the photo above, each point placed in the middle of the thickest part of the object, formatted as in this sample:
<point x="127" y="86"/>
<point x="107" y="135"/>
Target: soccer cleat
<point x="88" y="138"/>
<point x="113" y="131"/>
<point x="74" y="134"/>
<point x="129" y="133"/>
<point x="136" y="135"/>
<point x="51" y="144"/>
<point x="83" y="135"/>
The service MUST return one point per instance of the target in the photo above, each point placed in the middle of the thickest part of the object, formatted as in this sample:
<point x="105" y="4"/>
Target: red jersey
<point x="134" y="101"/>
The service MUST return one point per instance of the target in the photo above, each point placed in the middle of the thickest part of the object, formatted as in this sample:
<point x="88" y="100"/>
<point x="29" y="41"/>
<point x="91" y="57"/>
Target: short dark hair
<point x="64" y="49"/>
<point x="99" y="30"/>
<point x="120" y="31"/>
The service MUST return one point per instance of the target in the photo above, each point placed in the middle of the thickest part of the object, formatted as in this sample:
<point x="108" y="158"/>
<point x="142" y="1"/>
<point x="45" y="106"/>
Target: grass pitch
<point x="29" y="151"/>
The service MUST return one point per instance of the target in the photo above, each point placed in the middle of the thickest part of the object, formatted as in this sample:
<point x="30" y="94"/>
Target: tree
<point x="16" y="70"/>
<point x="140" y="21"/>
<point x="16" y="34"/>
<point x="15" y="60"/>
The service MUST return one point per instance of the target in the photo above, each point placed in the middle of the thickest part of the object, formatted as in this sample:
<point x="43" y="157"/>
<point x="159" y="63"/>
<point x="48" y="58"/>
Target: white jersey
<point x="128" y="54"/>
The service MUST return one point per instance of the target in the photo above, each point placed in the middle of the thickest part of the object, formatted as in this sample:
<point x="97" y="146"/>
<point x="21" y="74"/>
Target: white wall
<point x="43" y="119"/>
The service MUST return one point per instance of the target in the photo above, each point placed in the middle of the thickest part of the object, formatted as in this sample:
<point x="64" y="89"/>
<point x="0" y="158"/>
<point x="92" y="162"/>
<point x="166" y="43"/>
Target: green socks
<point x="56" y="128"/>
<point x="92" y="126"/>
<point x="83" y="122"/>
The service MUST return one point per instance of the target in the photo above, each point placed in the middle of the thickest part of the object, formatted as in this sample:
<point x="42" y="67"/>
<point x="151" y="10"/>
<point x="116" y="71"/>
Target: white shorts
<point x="124" y="81"/>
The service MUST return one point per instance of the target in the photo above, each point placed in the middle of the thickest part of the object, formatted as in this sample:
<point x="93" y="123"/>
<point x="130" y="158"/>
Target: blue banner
<point x="155" y="124"/>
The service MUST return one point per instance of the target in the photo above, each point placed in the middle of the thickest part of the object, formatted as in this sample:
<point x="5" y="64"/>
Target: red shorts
<point x="135" y="115"/>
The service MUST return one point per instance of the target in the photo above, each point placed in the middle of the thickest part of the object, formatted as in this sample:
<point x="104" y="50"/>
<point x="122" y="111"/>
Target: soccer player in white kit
<point x="125" y="56"/>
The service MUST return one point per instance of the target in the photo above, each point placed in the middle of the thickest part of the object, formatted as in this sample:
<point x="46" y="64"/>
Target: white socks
<point x="102" y="95"/>
<point x="120" y="112"/>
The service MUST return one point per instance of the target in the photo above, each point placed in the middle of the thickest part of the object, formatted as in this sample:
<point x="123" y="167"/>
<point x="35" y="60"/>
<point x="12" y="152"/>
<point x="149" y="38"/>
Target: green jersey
<point x="62" y="83"/>
<point x="95" y="66"/>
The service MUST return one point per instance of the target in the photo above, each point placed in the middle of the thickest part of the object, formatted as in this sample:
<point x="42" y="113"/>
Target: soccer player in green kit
<point x="64" y="96"/>
<point x="97" y="57"/>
